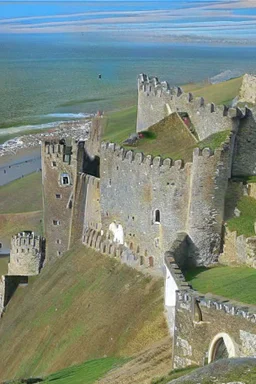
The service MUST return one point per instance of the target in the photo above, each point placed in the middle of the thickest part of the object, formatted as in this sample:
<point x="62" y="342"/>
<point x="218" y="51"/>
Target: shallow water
<point x="48" y="78"/>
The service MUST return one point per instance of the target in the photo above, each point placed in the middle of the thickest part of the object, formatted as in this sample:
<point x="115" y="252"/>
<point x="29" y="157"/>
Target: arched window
<point x="157" y="216"/>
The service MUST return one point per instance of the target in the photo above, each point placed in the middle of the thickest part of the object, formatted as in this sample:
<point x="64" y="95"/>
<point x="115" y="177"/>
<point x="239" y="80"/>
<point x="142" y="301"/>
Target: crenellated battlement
<point x="156" y="100"/>
<point x="152" y="87"/>
<point x="157" y="162"/>
<point x="139" y="158"/>
<point x="58" y="151"/>
<point x="216" y="303"/>
<point x="27" y="254"/>
<point x="26" y="239"/>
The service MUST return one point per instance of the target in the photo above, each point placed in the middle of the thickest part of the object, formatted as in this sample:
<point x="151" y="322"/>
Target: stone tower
<point x="62" y="161"/>
<point x="27" y="254"/>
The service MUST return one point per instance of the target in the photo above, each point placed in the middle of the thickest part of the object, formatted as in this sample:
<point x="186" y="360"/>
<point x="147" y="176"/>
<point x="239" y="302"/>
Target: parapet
<point x="217" y="303"/>
<point x="176" y="272"/>
<point x="26" y="239"/>
<point x="60" y="150"/>
<point x="151" y="86"/>
<point x="27" y="254"/>
<point x="154" y="163"/>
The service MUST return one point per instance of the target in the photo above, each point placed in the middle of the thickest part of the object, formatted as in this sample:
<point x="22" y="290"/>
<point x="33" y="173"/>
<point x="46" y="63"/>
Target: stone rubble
<point x="79" y="130"/>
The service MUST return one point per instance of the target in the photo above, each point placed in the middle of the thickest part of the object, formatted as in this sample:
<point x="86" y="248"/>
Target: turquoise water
<point x="47" y="78"/>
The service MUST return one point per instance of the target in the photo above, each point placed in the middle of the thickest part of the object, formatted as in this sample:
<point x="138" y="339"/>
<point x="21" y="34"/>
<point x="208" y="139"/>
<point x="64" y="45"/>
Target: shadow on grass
<point x="193" y="273"/>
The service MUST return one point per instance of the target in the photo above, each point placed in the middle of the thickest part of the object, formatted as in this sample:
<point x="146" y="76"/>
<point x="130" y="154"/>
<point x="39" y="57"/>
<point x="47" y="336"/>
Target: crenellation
<point x="27" y="254"/>
<point x="218" y="304"/>
<point x="139" y="157"/>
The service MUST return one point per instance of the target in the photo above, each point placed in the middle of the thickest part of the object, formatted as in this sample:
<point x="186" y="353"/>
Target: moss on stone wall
<point x="214" y="141"/>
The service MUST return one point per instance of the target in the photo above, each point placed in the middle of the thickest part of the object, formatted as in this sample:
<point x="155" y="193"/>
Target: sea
<point x="53" y="76"/>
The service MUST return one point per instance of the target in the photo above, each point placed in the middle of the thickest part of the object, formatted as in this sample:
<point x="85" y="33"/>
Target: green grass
<point x="86" y="373"/>
<point x="79" y="308"/>
<point x="169" y="138"/>
<point x="221" y="93"/>
<point x="22" y="195"/>
<point x="237" y="283"/>
<point x="13" y="223"/>
<point x="214" y="141"/>
<point x="119" y="125"/>
<point x="244" y="224"/>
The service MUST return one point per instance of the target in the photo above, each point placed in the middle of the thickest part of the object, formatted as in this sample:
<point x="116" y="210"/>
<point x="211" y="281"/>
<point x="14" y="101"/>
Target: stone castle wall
<point x="133" y="188"/>
<point x="202" y="321"/>
<point x="77" y="214"/>
<point x="157" y="100"/>
<point x="238" y="250"/>
<point x="210" y="172"/>
<point x="188" y="198"/>
<point x="244" y="161"/>
<point x="92" y="213"/>
<point x="247" y="92"/>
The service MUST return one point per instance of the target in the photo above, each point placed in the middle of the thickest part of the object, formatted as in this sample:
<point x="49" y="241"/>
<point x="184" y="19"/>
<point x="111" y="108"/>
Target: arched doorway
<point x="221" y="347"/>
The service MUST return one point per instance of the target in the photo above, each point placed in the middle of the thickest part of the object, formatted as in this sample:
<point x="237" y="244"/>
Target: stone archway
<point x="221" y="347"/>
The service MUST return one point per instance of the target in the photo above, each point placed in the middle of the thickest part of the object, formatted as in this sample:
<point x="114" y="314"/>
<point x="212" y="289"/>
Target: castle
<point x="156" y="214"/>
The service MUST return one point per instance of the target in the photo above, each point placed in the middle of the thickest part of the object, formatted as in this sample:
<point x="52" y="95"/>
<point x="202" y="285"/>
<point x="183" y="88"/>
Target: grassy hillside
<point x="221" y="93"/>
<point x="170" y="138"/>
<point x="84" y="306"/>
<point x="237" y="283"/>
<point x="22" y="195"/>
<point x="119" y="125"/>
<point x="14" y="223"/>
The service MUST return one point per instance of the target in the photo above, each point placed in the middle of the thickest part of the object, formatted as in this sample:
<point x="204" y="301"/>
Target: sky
<point x="233" y="19"/>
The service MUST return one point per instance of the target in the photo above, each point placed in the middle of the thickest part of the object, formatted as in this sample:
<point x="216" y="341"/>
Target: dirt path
<point x="150" y="363"/>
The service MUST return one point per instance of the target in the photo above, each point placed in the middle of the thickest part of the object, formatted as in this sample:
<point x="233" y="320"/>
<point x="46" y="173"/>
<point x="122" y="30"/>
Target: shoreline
<point x="21" y="156"/>
<point x="78" y="130"/>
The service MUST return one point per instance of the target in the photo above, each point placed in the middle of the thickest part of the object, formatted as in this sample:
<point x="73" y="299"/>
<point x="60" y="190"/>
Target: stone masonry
<point x="27" y="254"/>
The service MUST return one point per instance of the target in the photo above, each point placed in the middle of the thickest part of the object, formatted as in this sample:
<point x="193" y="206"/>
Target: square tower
<point x="62" y="160"/>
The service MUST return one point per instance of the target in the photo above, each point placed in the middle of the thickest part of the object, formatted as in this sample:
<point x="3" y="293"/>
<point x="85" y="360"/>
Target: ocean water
<point x="44" y="79"/>
<point x="51" y="77"/>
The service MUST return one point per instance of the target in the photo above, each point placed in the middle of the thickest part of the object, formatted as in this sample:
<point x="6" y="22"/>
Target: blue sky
<point x="211" y="18"/>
